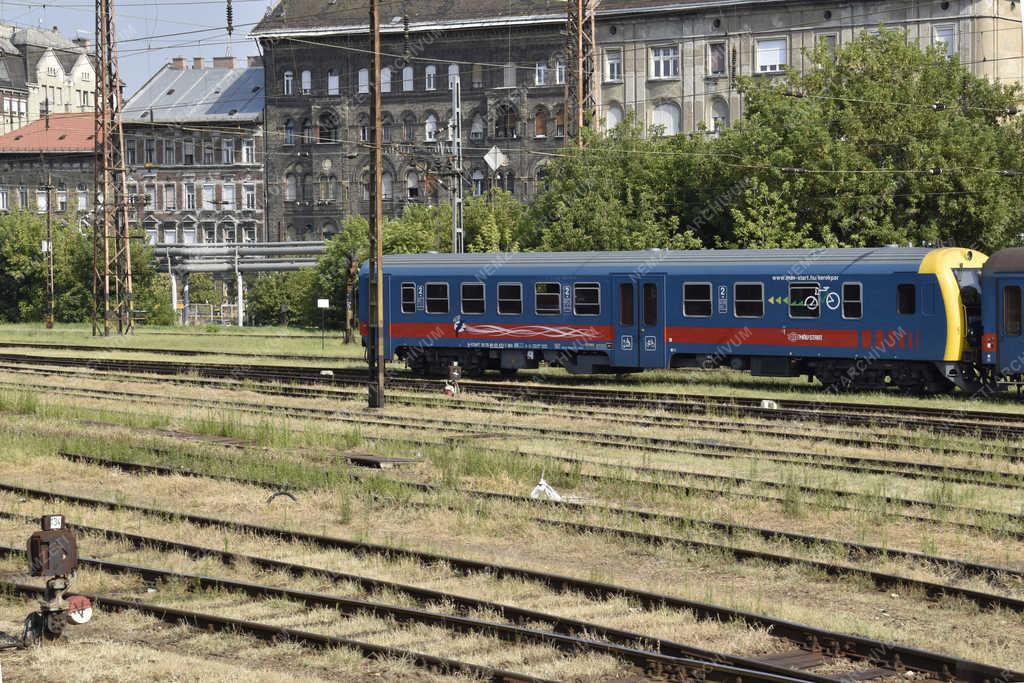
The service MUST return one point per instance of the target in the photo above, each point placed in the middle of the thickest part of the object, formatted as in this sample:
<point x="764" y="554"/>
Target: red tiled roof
<point x="66" y="133"/>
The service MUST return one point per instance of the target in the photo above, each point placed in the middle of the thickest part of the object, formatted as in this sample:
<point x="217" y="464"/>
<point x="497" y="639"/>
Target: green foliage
<point x="419" y="229"/>
<point x="295" y="292"/>
<point x="496" y="221"/>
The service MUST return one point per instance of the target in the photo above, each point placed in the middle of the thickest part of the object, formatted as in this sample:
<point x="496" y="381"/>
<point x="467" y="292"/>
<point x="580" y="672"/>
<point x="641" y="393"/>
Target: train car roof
<point x="1005" y="261"/>
<point x="808" y="260"/>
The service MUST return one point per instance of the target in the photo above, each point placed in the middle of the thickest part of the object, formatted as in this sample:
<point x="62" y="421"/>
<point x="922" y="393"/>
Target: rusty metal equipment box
<point x="52" y="552"/>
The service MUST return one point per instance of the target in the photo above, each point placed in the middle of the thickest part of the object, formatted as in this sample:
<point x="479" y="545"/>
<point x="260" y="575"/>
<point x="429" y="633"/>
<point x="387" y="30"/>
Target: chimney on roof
<point x="197" y="63"/>
<point x="178" y="63"/>
<point x="254" y="60"/>
<point x="82" y="43"/>
<point x="56" y="29"/>
<point x="223" y="62"/>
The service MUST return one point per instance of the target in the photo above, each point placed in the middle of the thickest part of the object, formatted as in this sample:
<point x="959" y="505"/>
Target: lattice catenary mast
<point x="582" y="94"/>
<point x="112" y="253"/>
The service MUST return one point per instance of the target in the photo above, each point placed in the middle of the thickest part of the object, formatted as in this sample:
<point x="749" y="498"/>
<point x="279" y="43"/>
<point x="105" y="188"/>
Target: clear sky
<point x="143" y="28"/>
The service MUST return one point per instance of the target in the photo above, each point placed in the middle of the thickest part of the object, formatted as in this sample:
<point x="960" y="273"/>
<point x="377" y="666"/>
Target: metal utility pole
<point x="49" y="251"/>
<point x="375" y="349"/>
<point x="455" y="134"/>
<point x="582" y="93"/>
<point x="112" y="254"/>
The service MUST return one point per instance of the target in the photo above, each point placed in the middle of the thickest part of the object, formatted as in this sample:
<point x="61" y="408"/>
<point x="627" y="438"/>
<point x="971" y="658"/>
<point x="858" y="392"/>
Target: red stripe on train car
<point x="880" y="339"/>
<point x="763" y="336"/>
<point x="497" y="333"/>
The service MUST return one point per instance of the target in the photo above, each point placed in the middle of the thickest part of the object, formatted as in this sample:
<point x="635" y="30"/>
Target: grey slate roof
<point x="625" y="261"/>
<point x="199" y="95"/>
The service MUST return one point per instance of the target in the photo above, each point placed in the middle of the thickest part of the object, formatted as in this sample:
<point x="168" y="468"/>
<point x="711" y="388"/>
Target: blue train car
<point x="856" y="318"/>
<point x="1002" y="341"/>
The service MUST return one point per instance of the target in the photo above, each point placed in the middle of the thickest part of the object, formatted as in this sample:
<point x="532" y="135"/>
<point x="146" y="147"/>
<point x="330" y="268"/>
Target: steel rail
<point x="171" y="352"/>
<point x="852" y="549"/>
<point x="712" y="668"/>
<point x="282" y="634"/>
<point x="889" y="655"/>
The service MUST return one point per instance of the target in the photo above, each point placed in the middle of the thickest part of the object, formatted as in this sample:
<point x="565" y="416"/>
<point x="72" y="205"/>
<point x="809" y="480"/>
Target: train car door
<point x="651" y="320"/>
<point x="1011" y="340"/>
<point x="624" y="312"/>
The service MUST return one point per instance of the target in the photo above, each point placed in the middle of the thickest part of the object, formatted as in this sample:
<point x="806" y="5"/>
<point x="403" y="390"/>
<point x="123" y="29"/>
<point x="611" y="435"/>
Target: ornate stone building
<point x="673" y="64"/>
<point x="194" y="151"/>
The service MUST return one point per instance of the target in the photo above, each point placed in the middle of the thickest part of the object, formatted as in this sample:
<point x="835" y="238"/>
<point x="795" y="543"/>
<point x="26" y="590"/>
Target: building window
<point x="385" y="79"/>
<point x="509" y="75"/>
<point x="150" y="151"/>
<point x="613" y="65"/>
<point x="83" y="198"/>
<point x="547" y="298"/>
<point x="289" y="132"/>
<point x="476" y="129"/>
<point x="249" y="235"/>
<point x="250" y="195"/>
<point x="409" y="123"/>
<point x="209" y="233"/>
<point x="170" y="197"/>
<point x="853" y="303"/>
<point x="560" y="72"/>
<point x="190" y="196"/>
<point x="150" y="197"/>
<point x="506" y="121"/>
<point x="613" y="117"/>
<point x="386" y="131"/>
<point x="437" y="297"/>
<point x="288" y="83"/>
<point x="430" y="77"/>
<point x="472" y="298"/>
<point x="906" y="299"/>
<point x="188" y="152"/>
<point x="307" y="82"/>
<point x="41" y="201"/>
<point x="248" y="151"/>
<point x="188" y="233"/>
<point x="771" y="55"/>
<point x="748" y="300"/>
<point x="307" y="131"/>
<point x="208" y="153"/>
<point x="209" y="198"/>
<point x="719" y="115"/>
<point x="697" y="299"/>
<point x="129" y="152"/>
<point x="169" y="156"/>
<point x="664" y="62"/>
<point x="453" y="73"/>
<point x="540" y="73"/>
<point x="586" y="298"/>
<point x="412" y="184"/>
<point x="23" y="198"/>
<point x="478" y="182"/>
<point x="333" y="83"/>
<point x="170" y="232"/>
<point x="364" y="81"/>
<point x="510" y="298"/>
<point x="478" y="75"/>
<point x="560" y="122"/>
<point x="228" y="197"/>
<point x="716" y="59"/>
<point x="540" y="123"/>
<point x="430" y="128"/>
<point x="62" y="200"/>
<point x="328" y="126"/>
<point x="228" y="150"/>
<point x="408" y="79"/>
<point x="133" y="198"/>
<point x="291" y="188"/>
<point x="364" y="133"/>
<point x="387" y="187"/>
<point x="666" y="117"/>
<point x="227" y="232"/>
<point x="829" y="41"/>
<point x="804" y="300"/>
<point x="944" y="37"/>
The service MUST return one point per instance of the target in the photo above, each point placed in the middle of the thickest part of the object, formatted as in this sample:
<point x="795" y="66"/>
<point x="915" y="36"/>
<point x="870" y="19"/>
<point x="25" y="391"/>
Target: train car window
<point x="546" y="298"/>
<point x="906" y="299"/>
<point x="748" y="300"/>
<point x="697" y="299"/>
<point x="650" y="303"/>
<point x="510" y="299"/>
<point x="586" y="298"/>
<point x="1012" y="311"/>
<point x="437" y="297"/>
<point x="472" y="296"/>
<point x="626" y="316"/>
<point x="804" y="300"/>
<point x="853" y="303"/>
<point x="408" y="297"/>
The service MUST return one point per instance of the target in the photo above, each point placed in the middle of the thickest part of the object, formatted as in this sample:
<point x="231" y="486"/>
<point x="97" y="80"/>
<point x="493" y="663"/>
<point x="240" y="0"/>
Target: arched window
<point x="307" y="82"/>
<point x="719" y="114"/>
<point x="307" y="131"/>
<point x="387" y="127"/>
<point x="364" y="81"/>
<point x="387" y="186"/>
<point x="364" y="128"/>
<point x="364" y="181"/>
<point x="430" y="77"/>
<point x="478" y="75"/>
<point x="307" y="187"/>
<point x="409" y="124"/>
<point x="329" y="229"/>
<point x="408" y="79"/>
<point x="328" y="188"/>
<point x="328" y="125"/>
<point x="291" y="188"/>
<point x="476" y="130"/>
<point x="478" y="182"/>
<point x="430" y="128"/>
<point x="412" y="184"/>
<point x="385" y="79"/>
<point x="560" y="122"/>
<point x="506" y="121"/>
<point x="333" y="83"/>
<point x="614" y="116"/>
<point x="288" y="83"/>
<point x="540" y="122"/>
<point x="453" y="73"/>
<point x="289" y="132"/>
<point x="666" y="117"/>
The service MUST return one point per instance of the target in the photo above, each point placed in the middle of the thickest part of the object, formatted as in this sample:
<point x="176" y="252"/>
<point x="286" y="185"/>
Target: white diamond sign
<point x="495" y="158"/>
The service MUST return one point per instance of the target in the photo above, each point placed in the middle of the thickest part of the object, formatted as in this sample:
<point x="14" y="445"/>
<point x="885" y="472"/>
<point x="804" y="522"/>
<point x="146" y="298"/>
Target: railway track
<point x="883" y="656"/>
<point x="881" y="580"/>
<point x="688" y="488"/>
<point x="981" y="424"/>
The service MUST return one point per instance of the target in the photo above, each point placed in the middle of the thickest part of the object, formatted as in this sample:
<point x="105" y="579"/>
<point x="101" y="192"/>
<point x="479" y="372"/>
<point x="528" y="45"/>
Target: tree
<point x="503" y="216"/>
<point x="419" y="229"/>
<point x="294" y="292"/>
<point x="338" y="267"/>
